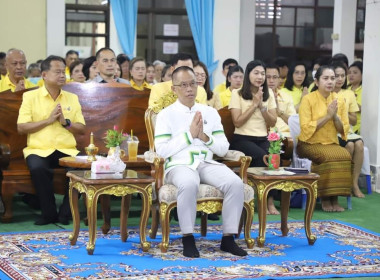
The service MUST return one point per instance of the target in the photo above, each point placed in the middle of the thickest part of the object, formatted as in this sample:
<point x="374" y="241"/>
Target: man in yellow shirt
<point x="71" y="56"/>
<point x="50" y="117"/>
<point x="165" y="88"/>
<point x="15" y="62"/>
<point x="229" y="62"/>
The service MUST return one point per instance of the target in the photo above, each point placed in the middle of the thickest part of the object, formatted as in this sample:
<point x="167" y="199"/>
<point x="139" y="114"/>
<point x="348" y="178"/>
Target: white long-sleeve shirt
<point x="173" y="140"/>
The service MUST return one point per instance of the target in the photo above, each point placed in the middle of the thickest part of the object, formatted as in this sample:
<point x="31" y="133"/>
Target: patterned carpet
<point x="341" y="250"/>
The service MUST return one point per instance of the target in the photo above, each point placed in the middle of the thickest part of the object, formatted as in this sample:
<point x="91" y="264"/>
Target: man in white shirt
<point x="187" y="134"/>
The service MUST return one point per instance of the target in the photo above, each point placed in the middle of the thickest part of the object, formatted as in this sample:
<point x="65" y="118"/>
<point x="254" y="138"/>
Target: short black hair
<point x="2" y="55"/>
<point x="122" y="57"/>
<point x="181" y="56"/>
<point x="72" y="52"/>
<point x="273" y="66"/>
<point x="46" y="64"/>
<point x="182" y="69"/>
<point x="103" y="49"/>
<point x="229" y="61"/>
<point x="281" y="61"/>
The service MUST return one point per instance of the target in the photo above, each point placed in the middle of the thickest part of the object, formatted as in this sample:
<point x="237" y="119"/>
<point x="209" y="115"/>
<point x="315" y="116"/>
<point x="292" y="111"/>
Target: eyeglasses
<point x="203" y="75"/>
<point x="272" y="77"/>
<point x="185" y="85"/>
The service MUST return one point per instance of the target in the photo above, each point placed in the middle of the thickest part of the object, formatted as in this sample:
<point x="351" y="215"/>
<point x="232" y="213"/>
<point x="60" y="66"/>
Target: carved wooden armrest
<point x="237" y="160"/>
<point x="5" y="155"/>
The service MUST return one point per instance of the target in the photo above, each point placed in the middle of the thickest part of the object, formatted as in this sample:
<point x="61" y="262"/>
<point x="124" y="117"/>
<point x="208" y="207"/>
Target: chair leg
<point x="369" y="185"/>
<point x="349" y="204"/>
<point x="155" y="221"/>
<point x="248" y="219"/>
<point x="164" y="218"/>
<point x="203" y="223"/>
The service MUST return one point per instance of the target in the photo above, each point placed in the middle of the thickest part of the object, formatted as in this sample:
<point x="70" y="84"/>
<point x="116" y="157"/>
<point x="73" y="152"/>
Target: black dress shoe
<point x="213" y="217"/>
<point x="63" y="220"/>
<point x="45" y="221"/>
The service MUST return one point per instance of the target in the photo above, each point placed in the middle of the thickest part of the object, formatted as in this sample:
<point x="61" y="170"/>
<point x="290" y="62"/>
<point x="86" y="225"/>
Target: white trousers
<point x="220" y="176"/>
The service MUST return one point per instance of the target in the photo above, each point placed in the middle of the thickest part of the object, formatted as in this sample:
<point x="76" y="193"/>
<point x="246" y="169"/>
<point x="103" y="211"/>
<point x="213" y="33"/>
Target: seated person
<point x="137" y="74"/>
<point x="70" y="57"/>
<point x="253" y="110"/>
<point x="159" y="90"/>
<point x="106" y="66"/>
<point x="284" y="102"/>
<point x="354" y="143"/>
<point x="187" y="135"/>
<point x="227" y="64"/>
<point x="296" y="84"/>
<point x="50" y="117"/>
<point x="322" y="115"/>
<point x="234" y="81"/>
<point x="76" y="73"/>
<point x="15" y="62"/>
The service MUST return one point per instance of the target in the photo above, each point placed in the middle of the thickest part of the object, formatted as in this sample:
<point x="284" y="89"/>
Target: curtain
<point x="125" y="15"/>
<point x="201" y="18"/>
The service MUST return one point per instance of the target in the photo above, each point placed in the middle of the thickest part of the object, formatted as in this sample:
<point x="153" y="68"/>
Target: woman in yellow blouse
<point x="322" y="116"/>
<point x="137" y="74"/>
<point x="253" y="110"/>
<point x="296" y="84"/>
<point x="203" y="80"/>
<point x="355" y="72"/>
<point x="234" y="80"/>
<point x="354" y="143"/>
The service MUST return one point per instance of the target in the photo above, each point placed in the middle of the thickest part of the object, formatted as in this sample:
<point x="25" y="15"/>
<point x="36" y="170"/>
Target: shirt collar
<point x="184" y="108"/>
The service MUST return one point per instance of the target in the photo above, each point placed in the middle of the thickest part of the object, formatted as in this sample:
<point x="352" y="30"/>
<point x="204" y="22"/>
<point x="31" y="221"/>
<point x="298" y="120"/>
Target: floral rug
<point x="341" y="250"/>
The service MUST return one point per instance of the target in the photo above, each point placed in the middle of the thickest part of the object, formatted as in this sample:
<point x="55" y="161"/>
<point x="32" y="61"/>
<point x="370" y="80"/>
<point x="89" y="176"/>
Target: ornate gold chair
<point x="210" y="199"/>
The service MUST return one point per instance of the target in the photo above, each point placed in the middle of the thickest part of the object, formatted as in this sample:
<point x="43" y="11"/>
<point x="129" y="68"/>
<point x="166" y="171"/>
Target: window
<point x="87" y="24"/>
<point x="301" y="29"/>
<point x="153" y="15"/>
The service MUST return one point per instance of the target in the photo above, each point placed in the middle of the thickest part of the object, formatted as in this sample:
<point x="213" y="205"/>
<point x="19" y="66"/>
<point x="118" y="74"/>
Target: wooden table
<point x="118" y="184"/>
<point x="286" y="183"/>
<point x="80" y="162"/>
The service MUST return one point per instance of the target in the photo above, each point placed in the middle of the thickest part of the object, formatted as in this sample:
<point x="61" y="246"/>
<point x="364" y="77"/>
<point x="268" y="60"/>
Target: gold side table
<point x="285" y="183"/>
<point x="119" y="184"/>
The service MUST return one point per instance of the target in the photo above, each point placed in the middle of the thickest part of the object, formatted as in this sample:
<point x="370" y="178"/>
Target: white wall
<point x="226" y="34"/>
<point x="344" y="24"/>
<point x="370" y="123"/>
<point x="55" y="27"/>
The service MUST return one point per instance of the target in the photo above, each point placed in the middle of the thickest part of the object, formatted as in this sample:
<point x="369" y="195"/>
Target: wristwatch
<point x="68" y="123"/>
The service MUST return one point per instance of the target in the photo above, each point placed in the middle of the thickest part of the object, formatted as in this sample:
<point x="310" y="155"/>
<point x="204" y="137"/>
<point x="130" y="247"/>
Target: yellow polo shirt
<point x="256" y="125"/>
<point x="141" y="88"/>
<point x="225" y="97"/>
<point x="295" y="93"/>
<point x="220" y="88"/>
<point x="314" y="107"/>
<point x="37" y="106"/>
<point x="5" y="84"/>
<point x="161" y="89"/>
<point x="358" y="95"/>
<point x="285" y="105"/>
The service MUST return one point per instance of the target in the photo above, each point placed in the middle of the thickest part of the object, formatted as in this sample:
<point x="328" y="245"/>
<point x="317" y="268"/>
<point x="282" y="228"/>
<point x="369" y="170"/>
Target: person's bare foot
<point x="326" y="204"/>
<point x="335" y="204"/>
<point x="357" y="192"/>
<point x="271" y="209"/>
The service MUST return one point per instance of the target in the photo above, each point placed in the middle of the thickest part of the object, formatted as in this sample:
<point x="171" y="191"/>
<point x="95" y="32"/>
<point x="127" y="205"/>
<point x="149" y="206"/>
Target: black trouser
<point x="41" y="171"/>
<point x="255" y="147"/>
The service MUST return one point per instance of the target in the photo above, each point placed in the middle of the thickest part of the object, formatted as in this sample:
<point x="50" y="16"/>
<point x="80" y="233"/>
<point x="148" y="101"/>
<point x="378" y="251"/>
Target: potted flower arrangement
<point x="113" y="139"/>
<point x="275" y="142"/>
